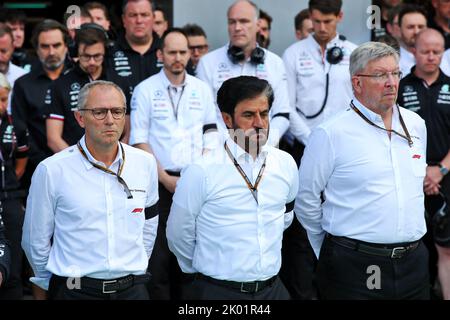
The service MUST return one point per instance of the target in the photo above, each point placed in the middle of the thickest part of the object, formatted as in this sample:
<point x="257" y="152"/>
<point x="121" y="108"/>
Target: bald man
<point x="426" y="90"/>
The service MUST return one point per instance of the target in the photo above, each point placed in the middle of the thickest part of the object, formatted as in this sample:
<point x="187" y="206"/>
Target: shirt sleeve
<point x="297" y="125"/>
<point x="181" y="225"/>
<point x="151" y="225"/>
<point x="39" y="225"/>
<point x="315" y="170"/>
<point x="140" y="116"/>
<point x="55" y="110"/>
<point x="289" y="215"/>
<point x="210" y="130"/>
<point x="19" y="110"/>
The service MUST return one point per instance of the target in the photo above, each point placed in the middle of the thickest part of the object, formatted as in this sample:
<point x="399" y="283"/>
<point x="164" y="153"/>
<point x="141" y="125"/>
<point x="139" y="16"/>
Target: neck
<point x="106" y="153"/>
<point x="429" y="78"/>
<point x="54" y="74"/>
<point x="442" y="22"/>
<point x="407" y="48"/>
<point x="252" y="149"/>
<point x="175" y="79"/>
<point x="248" y="51"/>
<point x="323" y="43"/>
<point x="96" y="75"/>
<point x="140" y="45"/>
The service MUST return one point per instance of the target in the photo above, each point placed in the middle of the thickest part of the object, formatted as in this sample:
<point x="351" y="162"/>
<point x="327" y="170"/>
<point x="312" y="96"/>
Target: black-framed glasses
<point x="100" y="113"/>
<point x="383" y="76"/>
<point x="86" y="57"/>
<point x="200" y="48"/>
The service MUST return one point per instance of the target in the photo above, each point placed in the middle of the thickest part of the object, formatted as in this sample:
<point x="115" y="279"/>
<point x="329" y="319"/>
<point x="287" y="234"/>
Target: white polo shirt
<point x="173" y="123"/>
<point x="307" y="69"/>
<point x="215" y="67"/>
<point x="216" y="227"/>
<point x="97" y="232"/>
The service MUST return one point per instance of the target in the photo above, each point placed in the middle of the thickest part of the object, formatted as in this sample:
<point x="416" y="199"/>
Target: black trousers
<point x="344" y="273"/>
<point x="59" y="290"/>
<point x="13" y="216"/>
<point x="201" y="289"/>
<point x="298" y="264"/>
<point x="167" y="279"/>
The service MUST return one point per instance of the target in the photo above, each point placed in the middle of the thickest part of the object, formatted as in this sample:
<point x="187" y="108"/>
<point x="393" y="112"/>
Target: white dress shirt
<point x="373" y="185"/>
<point x="215" y="68"/>
<point x="173" y="125"/>
<point x="407" y="61"/>
<point x="215" y="226"/>
<point x="306" y="69"/>
<point x="97" y="232"/>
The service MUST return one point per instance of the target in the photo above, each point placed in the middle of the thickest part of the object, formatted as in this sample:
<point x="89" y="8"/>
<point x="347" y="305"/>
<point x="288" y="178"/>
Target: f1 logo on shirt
<point x="137" y="210"/>
<point x="416" y="156"/>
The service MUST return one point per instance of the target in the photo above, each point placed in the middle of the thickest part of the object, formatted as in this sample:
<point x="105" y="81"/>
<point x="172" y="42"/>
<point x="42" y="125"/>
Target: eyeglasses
<point x="200" y="48"/>
<point x="383" y="76"/>
<point x="86" y="57"/>
<point x="100" y="113"/>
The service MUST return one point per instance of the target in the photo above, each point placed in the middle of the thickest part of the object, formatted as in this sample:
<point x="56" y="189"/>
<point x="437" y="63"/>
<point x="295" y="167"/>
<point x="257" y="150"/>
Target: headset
<point x="334" y="55"/>
<point x="236" y="55"/>
<point x="73" y="45"/>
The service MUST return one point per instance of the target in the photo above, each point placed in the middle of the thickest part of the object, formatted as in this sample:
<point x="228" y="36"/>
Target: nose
<point x="109" y="118"/>
<point x="258" y="121"/>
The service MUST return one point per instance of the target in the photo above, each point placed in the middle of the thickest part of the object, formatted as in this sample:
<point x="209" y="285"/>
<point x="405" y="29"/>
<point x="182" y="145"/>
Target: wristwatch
<point x="443" y="169"/>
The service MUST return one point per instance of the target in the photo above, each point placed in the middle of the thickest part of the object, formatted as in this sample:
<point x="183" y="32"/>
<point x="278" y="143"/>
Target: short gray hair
<point x="250" y="3"/>
<point x="369" y="51"/>
<point x="84" y="93"/>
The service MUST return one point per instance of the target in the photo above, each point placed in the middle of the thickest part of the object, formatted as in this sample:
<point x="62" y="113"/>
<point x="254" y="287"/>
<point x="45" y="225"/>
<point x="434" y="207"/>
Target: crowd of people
<point x="137" y="164"/>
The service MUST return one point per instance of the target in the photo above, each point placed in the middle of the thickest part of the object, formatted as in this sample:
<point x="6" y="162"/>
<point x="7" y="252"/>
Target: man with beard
<point x="231" y="207"/>
<point x="32" y="91"/>
<point x="411" y="20"/>
<point x="172" y="116"/>
<point x="91" y="45"/>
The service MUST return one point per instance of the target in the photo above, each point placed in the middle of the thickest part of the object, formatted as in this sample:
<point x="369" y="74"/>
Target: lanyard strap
<point x="253" y="188"/>
<point x="119" y="172"/>
<point x="175" y="109"/>
<point x="407" y="137"/>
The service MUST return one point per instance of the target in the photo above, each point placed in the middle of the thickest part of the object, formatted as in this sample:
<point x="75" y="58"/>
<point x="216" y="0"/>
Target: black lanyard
<point x="253" y="188"/>
<point x="119" y="172"/>
<point x="407" y="136"/>
<point x="175" y="109"/>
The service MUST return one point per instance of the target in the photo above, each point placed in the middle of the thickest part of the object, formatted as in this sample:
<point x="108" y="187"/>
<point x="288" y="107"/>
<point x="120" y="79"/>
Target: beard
<point x="52" y="63"/>
<point x="251" y="140"/>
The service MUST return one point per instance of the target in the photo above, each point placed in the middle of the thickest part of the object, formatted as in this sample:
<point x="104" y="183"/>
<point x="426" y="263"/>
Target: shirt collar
<point x="166" y="81"/>
<point x="372" y="116"/>
<point x="241" y="155"/>
<point x="333" y="42"/>
<point x="92" y="159"/>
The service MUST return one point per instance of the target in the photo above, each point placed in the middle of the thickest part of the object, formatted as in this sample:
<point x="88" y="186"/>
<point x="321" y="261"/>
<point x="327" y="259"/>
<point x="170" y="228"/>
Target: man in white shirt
<point x="319" y="87"/>
<point x="91" y="215"/>
<point x="231" y="207"/>
<point x="361" y="198"/>
<point x="411" y="20"/>
<point x="242" y="56"/>
<point x="173" y="116"/>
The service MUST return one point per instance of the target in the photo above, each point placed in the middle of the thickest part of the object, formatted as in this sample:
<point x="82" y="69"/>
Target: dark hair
<point x="410" y="8"/>
<point x="264" y="15"/>
<point x="90" y="34"/>
<point x="389" y="40"/>
<point x="392" y="13"/>
<point x="158" y="8"/>
<point x="13" y="16"/>
<point x="300" y="17"/>
<point x="169" y="31"/>
<point x="83" y="13"/>
<point x="326" y="6"/>
<point x="194" y="30"/>
<point x="96" y="5"/>
<point x="241" y="88"/>
<point x="125" y="2"/>
<point x="5" y="30"/>
<point x="47" y="25"/>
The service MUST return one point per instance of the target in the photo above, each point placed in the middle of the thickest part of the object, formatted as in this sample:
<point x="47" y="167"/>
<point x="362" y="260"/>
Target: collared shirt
<point x="30" y="97"/>
<point x="64" y="99"/>
<point x="407" y="61"/>
<point x="14" y="73"/>
<point x="132" y="65"/>
<point x="432" y="103"/>
<point x="216" y="67"/>
<point x="176" y="136"/>
<point x="97" y="232"/>
<point x="307" y="70"/>
<point x="216" y="227"/>
<point x="372" y="185"/>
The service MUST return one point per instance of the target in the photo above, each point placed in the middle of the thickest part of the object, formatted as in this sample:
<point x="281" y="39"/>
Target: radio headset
<point x="236" y="55"/>
<point x="334" y="55"/>
<point x="73" y="45"/>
